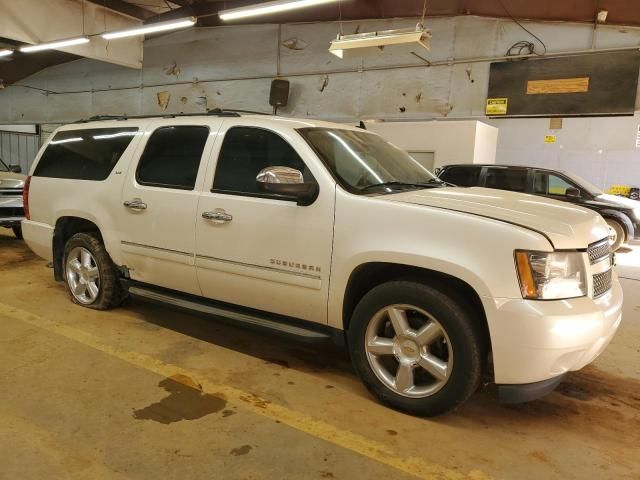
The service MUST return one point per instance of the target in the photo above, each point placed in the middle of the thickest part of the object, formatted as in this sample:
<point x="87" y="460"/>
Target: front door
<point x="261" y="250"/>
<point x="554" y="186"/>
<point x="159" y="202"/>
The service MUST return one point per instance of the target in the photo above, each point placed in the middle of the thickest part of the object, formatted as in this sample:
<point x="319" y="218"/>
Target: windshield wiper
<point x="428" y="184"/>
<point x="388" y="184"/>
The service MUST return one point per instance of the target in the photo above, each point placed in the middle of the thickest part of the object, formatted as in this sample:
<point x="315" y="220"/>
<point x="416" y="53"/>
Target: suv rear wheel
<point x="90" y="276"/>
<point x="416" y="348"/>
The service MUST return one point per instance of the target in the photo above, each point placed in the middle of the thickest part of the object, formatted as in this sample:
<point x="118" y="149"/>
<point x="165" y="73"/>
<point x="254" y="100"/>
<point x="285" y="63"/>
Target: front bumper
<point x="10" y="221"/>
<point x="527" y="392"/>
<point x="11" y="210"/>
<point x="534" y="341"/>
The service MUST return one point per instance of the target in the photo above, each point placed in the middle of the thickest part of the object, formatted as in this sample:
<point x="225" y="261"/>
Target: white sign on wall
<point x="638" y="138"/>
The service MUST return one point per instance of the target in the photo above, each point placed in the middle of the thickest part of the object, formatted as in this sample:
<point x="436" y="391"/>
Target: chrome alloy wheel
<point x="409" y="351"/>
<point x="83" y="275"/>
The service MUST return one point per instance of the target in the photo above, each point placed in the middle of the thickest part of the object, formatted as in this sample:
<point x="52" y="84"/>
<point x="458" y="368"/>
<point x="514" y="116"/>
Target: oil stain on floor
<point x="184" y="402"/>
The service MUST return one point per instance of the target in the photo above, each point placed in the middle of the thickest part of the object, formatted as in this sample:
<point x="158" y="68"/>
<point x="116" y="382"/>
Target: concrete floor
<point x="145" y="392"/>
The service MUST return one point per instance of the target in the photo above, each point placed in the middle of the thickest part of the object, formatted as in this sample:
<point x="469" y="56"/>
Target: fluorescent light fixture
<point x="151" y="28"/>
<point x="380" y="39"/>
<point x="5" y="53"/>
<point x="55" y="45"/>
<point x="66" y="140"/>
<point x="266" y="8"/>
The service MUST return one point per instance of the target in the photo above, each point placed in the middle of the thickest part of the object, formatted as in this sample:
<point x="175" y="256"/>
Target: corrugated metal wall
<point x="19" y="148"/>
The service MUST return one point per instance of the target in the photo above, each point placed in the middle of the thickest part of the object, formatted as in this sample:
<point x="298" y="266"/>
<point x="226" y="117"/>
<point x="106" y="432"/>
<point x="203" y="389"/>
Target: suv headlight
<point x="551" y="276"/>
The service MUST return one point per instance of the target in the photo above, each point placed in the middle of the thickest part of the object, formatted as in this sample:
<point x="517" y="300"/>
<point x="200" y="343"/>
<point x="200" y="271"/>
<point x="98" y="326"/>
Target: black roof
<point x="499" y="165"/>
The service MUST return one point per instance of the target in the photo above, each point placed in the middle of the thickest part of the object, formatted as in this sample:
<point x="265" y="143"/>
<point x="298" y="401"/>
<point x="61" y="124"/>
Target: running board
<point x="251" y="320"/>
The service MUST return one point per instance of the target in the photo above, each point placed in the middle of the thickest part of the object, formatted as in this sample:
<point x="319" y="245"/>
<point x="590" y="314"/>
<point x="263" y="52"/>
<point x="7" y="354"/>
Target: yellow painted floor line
<point x="354" y="442"/>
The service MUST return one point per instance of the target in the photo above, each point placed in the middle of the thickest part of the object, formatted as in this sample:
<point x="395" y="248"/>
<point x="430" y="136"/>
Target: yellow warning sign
<point x="549" y="139"/>
<point x="496" y="106"/>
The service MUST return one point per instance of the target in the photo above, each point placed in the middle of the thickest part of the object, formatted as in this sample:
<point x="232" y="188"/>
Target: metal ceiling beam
<point x="35" y="21"/>
<point x="621" y="12"/>
<point x="125" y="8"/>
<point x="25" y="65"/>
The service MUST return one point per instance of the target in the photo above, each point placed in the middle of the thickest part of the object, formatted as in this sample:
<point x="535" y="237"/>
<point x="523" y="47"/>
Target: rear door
<point x="159" y="202"/>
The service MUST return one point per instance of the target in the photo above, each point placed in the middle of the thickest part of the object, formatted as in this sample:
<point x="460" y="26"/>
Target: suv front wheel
<point x="416" y="348"/>
<point x="90" y="276"/>
<point x="616" y="233"/>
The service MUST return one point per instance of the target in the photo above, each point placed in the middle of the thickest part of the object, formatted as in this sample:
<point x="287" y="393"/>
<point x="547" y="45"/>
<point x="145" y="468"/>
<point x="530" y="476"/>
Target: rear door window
<point x="87" y="154"/>
<point x="462" y="176"/>
<point x="171" y="158"/>
<point x="513" y="179"/>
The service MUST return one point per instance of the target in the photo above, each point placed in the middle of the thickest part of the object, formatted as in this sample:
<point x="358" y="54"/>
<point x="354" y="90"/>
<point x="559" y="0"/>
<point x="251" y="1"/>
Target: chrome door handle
<point x="218" y="216"/>
<point x="135" y="204"/>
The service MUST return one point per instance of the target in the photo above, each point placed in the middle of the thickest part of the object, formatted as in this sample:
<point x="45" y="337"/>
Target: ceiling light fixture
<point x="55" y="44"/>
<point x="5" y="53"/>
<point x="266" y="8"/>
<point x="381" y="39"/>
<point x="151" y="28"/>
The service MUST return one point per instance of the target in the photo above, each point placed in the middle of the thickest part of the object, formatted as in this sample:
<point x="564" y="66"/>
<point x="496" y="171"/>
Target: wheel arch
<point x="64" y="229"/>
<point x="371" y="274"/>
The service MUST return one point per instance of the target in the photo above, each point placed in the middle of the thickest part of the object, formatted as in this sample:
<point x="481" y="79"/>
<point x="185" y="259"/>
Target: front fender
<point x="624" y="220"/>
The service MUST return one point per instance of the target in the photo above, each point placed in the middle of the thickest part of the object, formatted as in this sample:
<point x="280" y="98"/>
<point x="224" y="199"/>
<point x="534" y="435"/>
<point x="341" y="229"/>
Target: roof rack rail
<point x="219" y="112"/>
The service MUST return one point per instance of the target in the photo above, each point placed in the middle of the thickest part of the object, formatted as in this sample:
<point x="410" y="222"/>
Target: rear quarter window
<point x="87" y="154"/>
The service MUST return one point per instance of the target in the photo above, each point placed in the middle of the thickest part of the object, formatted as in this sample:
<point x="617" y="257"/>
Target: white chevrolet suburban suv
<point x="324" y="231"/>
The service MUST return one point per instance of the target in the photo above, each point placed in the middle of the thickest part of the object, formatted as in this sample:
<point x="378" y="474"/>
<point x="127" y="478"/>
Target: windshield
<point x="364" y="163"/>
<point x="589" y="187"/>
<point x="3" y="166"/>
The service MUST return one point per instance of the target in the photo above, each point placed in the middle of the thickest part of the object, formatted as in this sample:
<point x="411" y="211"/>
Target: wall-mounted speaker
<point x="279" y="95"/>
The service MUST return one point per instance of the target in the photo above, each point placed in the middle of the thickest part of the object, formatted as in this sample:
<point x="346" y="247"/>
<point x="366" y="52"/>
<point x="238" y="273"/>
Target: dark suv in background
<point x="621" y="214"/>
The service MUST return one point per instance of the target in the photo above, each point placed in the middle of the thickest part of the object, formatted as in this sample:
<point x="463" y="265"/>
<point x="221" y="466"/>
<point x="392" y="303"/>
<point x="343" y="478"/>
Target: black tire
<point x="111" y="294"/>
<point x="465" y="334"/>
<point x="17" y="231"/>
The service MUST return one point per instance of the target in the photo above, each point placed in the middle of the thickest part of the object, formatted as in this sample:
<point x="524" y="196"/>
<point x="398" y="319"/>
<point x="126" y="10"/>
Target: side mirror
<point x="15" y="168"/>
<point x="437" y="171"/>
<point x="288" y="182"/>
<point x="573" y="193"/>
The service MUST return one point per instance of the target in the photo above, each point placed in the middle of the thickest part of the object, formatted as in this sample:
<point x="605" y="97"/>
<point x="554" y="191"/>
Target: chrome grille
<point x="11" y="192"/>
<point x="599" y="250"/>
<point x="601" y="283"/>
<point x="7" y="212"/>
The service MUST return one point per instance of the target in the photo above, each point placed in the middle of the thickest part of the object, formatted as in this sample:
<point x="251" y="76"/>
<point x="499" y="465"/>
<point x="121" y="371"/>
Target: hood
<point x="566" y="225"/>
<point x="11" y="180"/>
<point x="620" y="201"/>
